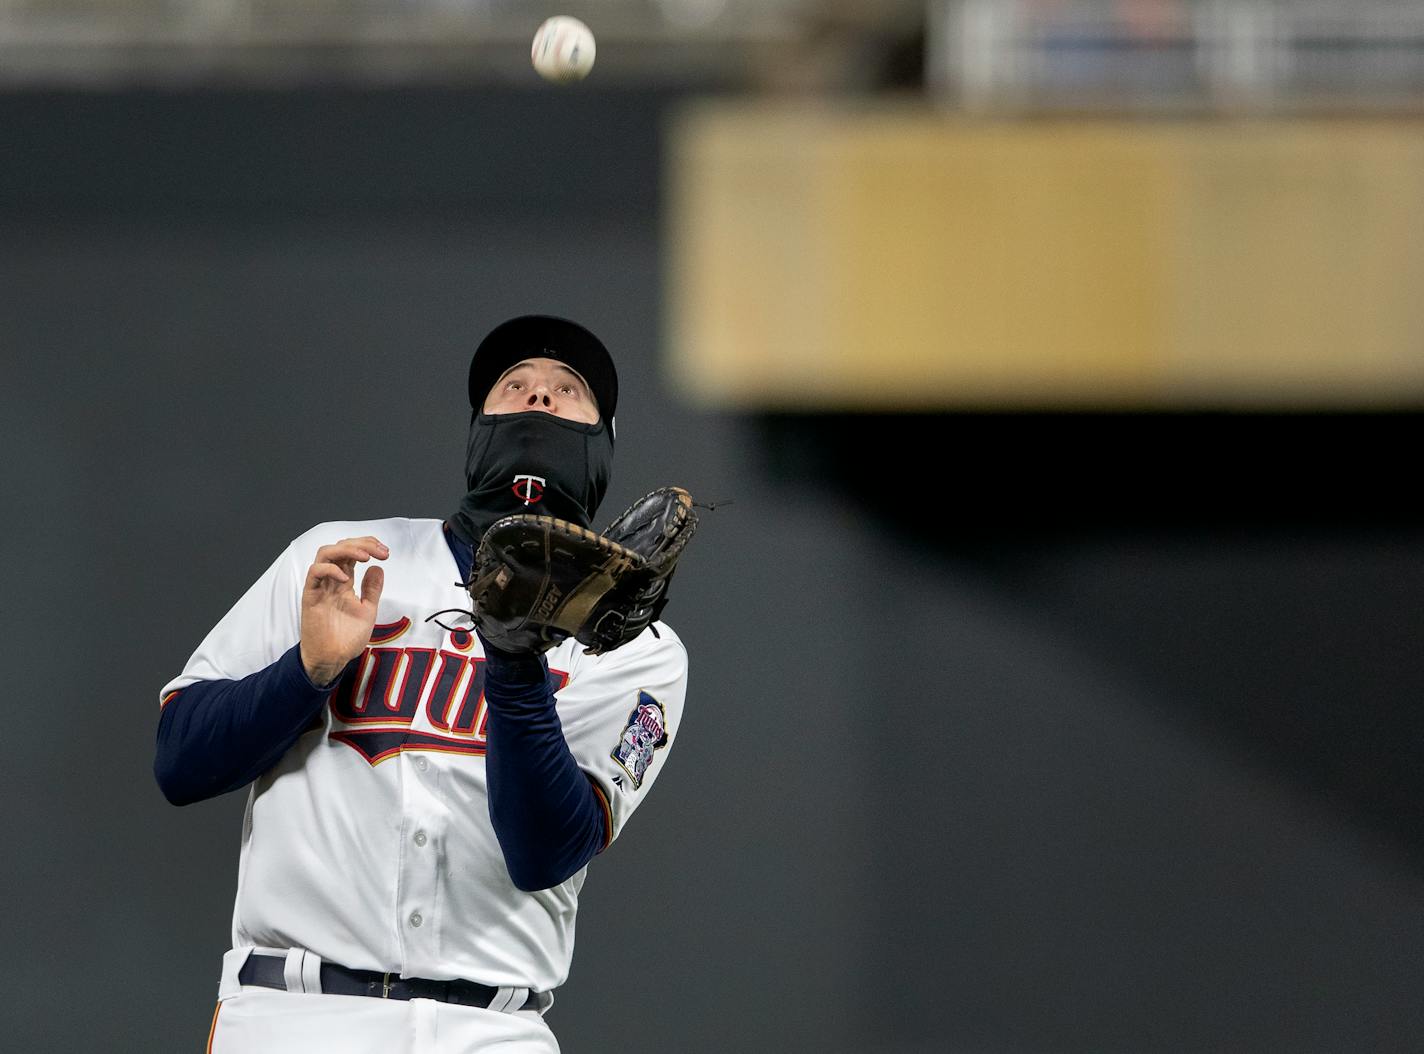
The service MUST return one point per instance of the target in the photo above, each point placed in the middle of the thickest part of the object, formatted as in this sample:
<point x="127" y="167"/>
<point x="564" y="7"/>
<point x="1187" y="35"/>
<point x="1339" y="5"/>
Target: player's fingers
<point x="351" y="550"/>
<point x="371" y="585"/>
<point x="323" y="571"/>
<point x="355" y="547"/>
<point x="371" y="544"/>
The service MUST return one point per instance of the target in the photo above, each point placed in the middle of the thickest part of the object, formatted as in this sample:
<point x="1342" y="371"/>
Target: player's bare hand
<point x="336" y="622"/>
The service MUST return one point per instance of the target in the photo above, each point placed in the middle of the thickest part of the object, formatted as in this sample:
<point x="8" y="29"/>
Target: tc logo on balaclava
<point x="529" y="489"/>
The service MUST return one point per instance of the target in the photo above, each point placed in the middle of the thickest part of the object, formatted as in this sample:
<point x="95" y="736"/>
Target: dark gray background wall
<point x="1059" y="784"/>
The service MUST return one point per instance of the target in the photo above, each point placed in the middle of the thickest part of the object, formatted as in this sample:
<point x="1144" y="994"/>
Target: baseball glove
<point x="538" y="580"/>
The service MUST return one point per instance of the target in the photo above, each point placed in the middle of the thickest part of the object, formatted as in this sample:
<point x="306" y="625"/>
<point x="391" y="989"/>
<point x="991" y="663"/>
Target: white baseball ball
<point x="563" y="49"/>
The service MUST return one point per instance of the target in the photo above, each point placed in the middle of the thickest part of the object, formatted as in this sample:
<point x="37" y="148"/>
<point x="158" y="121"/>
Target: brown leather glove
<point x="538" y="580"/>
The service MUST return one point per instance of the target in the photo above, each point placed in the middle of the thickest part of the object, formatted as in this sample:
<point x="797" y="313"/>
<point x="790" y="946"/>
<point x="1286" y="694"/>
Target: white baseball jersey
<point x="370" y="841"/>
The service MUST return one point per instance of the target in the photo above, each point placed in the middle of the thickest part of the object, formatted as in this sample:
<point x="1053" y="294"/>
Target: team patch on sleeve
<point x="645" y="732"/>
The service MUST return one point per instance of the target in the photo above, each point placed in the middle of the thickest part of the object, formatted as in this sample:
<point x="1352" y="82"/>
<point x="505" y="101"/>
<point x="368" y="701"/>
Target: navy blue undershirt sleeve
<point x="546" y="814"/>
<point x="217" y="736"/>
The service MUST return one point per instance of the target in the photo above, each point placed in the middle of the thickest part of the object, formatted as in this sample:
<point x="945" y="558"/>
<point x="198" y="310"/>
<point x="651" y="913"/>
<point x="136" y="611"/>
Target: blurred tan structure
<point x="874" y="258"/>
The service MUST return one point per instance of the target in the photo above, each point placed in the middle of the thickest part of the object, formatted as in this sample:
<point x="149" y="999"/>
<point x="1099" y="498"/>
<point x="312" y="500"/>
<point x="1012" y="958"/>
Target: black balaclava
<point x="532" y="462"/>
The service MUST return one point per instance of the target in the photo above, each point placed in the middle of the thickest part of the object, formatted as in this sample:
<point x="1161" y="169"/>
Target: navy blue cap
<point x="544" y="336"/>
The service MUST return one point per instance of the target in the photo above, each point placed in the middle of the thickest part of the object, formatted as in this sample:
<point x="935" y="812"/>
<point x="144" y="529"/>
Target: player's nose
<point x="540" y="398"/>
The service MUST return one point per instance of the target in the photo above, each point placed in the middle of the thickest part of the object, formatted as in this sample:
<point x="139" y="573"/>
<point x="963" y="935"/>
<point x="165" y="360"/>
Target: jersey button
<point x="415" y="919"/>
<point x="421" y="764"/>
<point x="419" y="837"/>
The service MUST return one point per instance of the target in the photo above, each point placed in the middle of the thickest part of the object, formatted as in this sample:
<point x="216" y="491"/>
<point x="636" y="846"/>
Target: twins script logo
<point x="394" y="699"/>
<point x="529" y="489"/>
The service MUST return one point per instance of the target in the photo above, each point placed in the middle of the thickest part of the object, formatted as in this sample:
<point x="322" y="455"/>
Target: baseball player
<point x="422" y="806"/>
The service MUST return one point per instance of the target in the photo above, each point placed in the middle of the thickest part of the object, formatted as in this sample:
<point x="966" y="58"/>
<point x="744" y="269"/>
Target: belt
<point x="268" y="971"/>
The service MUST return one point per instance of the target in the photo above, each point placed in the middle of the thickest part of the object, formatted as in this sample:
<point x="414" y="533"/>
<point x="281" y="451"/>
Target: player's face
<point x="546" y="385"/>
